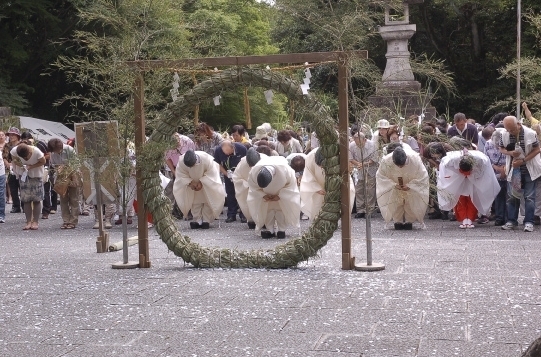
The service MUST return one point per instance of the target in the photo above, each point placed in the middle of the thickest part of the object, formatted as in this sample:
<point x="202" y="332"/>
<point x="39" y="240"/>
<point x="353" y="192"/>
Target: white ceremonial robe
<point x="481" y="185"/>
<point x="313" y="180"/>
<point x="394" y="203"/>
<point x="240" y="181"/>
<point x="207" y="203"/>
<point x="286" y="211"/>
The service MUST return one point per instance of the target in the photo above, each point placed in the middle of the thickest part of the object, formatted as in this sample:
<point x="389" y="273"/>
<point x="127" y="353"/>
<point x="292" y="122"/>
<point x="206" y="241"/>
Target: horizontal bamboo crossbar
<point x="248" y="60"/>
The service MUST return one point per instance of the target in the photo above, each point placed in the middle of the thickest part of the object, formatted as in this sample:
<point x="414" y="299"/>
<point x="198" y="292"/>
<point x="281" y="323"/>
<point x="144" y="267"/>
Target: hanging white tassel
<point x="174" y="91"/>
<point x="268" y="96"/>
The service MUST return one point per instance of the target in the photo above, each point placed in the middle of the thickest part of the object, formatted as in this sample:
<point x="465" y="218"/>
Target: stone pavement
<point x="444" y="292"/>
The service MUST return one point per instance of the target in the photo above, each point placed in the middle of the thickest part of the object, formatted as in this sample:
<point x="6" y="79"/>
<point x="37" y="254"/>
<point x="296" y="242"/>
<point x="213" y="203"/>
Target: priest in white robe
<point x="312" y="187"/>
<point x="402" y="188"/>
<point x="273" y="196"/>
<point x="240" y="180"/>
<point x="467" y="183"/>
<point x="198" y="188"/>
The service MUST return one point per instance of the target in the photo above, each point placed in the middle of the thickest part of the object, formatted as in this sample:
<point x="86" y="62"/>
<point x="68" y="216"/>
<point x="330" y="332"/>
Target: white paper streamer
<point x="217" y="100"/>
<point x="174" y="91"/>
<point x="268" y="96"/>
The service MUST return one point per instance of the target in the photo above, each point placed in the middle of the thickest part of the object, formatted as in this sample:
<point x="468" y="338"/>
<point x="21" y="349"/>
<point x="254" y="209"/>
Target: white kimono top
<point x="207" y="171"/>
<point x="414" y="175"/>
<point x="481" y="185"/>
<point x="283" y="184"/>
<point x="240" y="181"/>
<point x="313" y="180"/>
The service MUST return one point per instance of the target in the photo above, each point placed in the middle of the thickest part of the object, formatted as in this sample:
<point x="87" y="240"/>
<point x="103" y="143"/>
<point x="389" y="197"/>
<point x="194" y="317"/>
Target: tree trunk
<point x="476" y="42"/>
<point x="534" y="350"/>
<point x="5" y="112"/>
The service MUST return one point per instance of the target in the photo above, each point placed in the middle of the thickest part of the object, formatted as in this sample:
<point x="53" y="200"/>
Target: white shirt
<point x="2" y="167"/>
<point x="36" y="172"/>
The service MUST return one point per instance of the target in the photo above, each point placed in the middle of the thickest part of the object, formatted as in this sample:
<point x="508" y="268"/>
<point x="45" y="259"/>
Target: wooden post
<point x="343" y="121"/>
<point x="140" y="138"/>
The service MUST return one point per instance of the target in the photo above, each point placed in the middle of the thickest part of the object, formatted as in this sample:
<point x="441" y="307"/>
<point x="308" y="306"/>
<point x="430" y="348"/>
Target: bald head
<point x="228" y="147"/>
<point x="511" y="124"/>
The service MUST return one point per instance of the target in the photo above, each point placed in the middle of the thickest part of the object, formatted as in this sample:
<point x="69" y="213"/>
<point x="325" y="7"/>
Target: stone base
<point x="401" y="102"/>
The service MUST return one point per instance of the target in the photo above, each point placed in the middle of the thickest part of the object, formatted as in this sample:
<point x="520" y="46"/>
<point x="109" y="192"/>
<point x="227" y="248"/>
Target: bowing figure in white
<point x="273" y="196"/>
<point x="466" y="182"/>
<point x="198" y="188"/>
<point x="240" y="180"/>
<point x="312" y="187"/>
<point x="402" y="187"/>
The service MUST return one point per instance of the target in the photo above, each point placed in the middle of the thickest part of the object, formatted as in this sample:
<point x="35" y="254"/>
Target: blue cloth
<point x="230" y="162"/>
<point x="470" y="133"/>
<point x="513" y="203"/>
<point x="500" y="203"/>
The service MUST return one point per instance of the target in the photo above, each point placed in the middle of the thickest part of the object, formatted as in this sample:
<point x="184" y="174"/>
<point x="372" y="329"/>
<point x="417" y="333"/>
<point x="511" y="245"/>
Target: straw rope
<point x="282" y="256"/>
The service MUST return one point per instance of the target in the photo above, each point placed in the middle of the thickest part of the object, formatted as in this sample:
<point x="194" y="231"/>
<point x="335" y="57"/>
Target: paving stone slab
<point x="34" y="350"/>
<point x="369" y="347"/>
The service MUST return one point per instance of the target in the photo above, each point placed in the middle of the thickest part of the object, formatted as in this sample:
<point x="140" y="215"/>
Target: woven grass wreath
<point x="282" y="256"/>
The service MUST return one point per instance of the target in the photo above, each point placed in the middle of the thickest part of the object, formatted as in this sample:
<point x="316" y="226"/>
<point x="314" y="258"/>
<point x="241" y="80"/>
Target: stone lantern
<point x="399" y="91"/>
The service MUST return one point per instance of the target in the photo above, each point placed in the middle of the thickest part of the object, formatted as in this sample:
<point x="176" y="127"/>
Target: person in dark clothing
<point x="463" y="129"/>
<point x="14" y="136"/>
<point x="228" y="156"/>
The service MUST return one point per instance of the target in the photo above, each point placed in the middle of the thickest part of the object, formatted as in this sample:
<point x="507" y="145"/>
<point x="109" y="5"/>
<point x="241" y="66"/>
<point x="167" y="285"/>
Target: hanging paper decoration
<point x="306" y="85"/>
<point x="402" y="124"/>
<point x="217" y="100"/>
<point x="268" y="96"/>
<point x="174" y="91"/>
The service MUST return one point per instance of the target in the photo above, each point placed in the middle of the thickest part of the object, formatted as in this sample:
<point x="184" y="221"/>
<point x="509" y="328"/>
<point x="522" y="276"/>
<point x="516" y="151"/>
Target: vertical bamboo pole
<point x="343" y="121"/>
<point x="140" y="138"/>
<point x="519" y="30"/>
<point x="247" y="114"/>
<point x="196" y="111"/>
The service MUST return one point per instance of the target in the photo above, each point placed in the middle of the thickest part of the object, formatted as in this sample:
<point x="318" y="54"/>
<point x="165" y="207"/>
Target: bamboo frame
<point x="340" y="57"/>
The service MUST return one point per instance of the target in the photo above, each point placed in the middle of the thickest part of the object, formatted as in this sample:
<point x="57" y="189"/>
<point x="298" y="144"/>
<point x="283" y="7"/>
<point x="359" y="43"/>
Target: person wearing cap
<point x="273" y="196"/>
<point x="402" y="187"/>
<point x="14" y="139"/>
<point x="363" y="158"/>
<point x="198" y="188"/>
<point x="28" y="164"/>
<point x="240" y="180"/>
<point x="466" y="182"/>
<point x="312" y="187"/>
<point x="380" y="137"/>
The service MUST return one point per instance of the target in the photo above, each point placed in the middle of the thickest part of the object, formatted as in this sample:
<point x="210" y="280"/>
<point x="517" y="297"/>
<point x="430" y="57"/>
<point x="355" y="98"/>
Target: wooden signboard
<point x="97" y="144"/>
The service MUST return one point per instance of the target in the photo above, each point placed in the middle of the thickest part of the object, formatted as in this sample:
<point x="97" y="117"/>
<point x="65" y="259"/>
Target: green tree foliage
<point x="530" y="71"/>
<point x="475" y="40"/>
<point x="233" y="28"/>
<point x="28" y="29"/>
<point x="113" y="32"/>
<point x="313" y="25"/>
